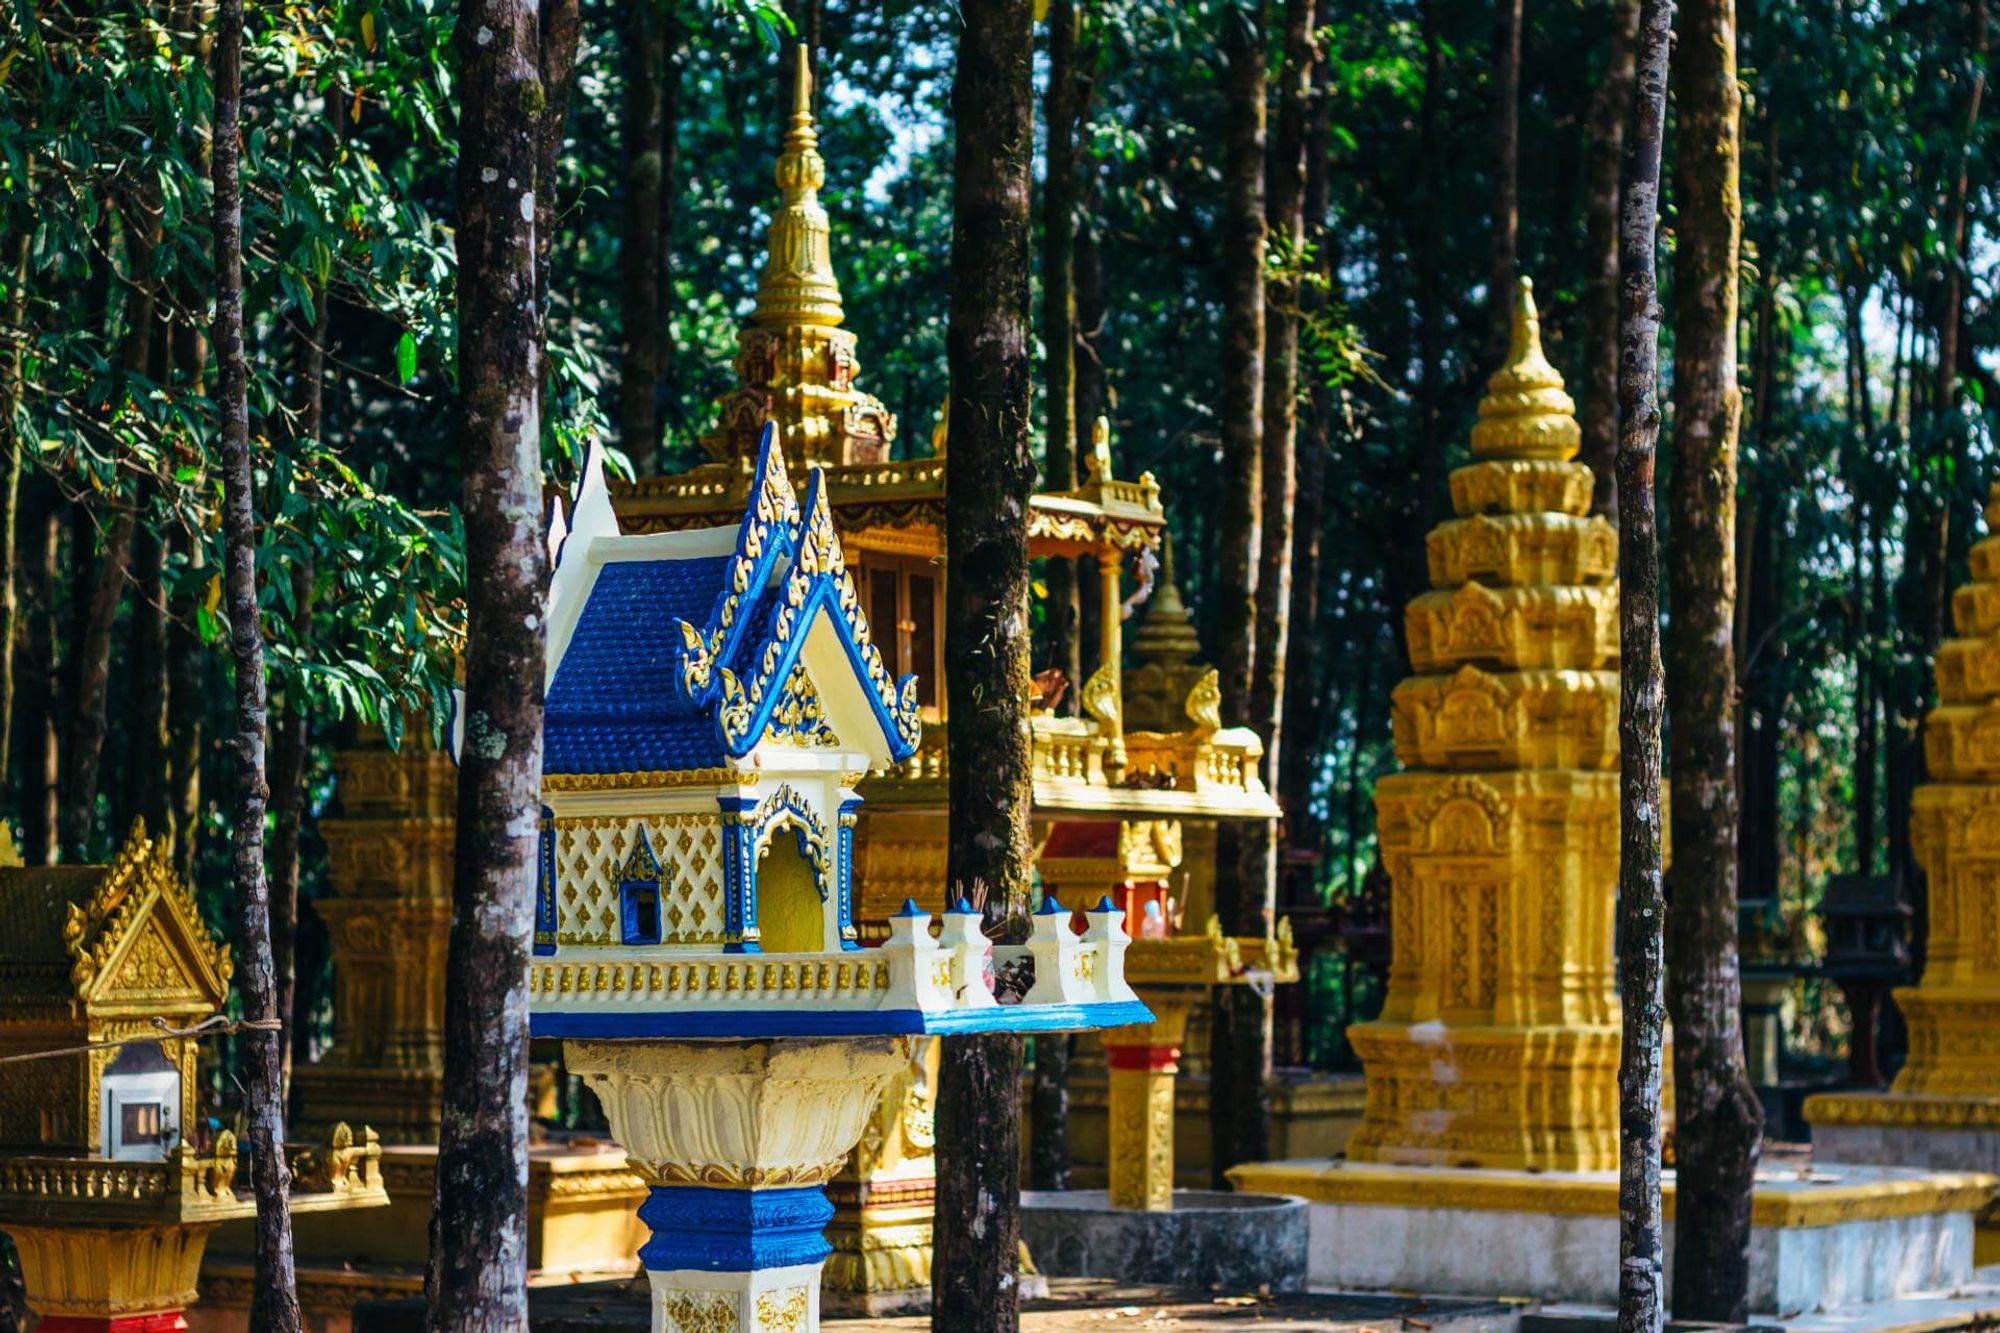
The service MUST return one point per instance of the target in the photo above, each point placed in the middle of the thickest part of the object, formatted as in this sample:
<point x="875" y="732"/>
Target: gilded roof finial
<point x="1525" y="413"/>
<point x="798" y="285"/>
<point x="1166" y="633"/>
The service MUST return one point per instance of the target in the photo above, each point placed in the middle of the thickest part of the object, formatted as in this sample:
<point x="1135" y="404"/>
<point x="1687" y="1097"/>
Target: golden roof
<point x="80" y="933"/>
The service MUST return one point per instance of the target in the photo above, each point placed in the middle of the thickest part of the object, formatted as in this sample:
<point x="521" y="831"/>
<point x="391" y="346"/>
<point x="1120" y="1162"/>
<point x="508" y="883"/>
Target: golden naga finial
<point x="1525" y="413"/>
<point x="798" y="286"/>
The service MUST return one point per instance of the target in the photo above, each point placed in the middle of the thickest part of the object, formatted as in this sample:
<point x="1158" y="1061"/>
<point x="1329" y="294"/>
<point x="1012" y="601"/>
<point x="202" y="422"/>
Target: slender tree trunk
<point x="1092" y="396"/>
<point x="1642" y="903"/>
<point x="1048" y="1107"/>
<point x="187" y="699"/>
<point x="1062" y="109"/>
<point x="1303" y="705"/>
<point x="88" y="723"/>
<point x="1719" y="1123"/>
<point x="641" y="317"/>
<point x="1286" y="225"/>
<point x="478" y="1268"/>
<point x="1240" y="1045"/>
<point x="41" y="703"/>
<point x="12" y="454"/>
<point x="1048" y="1103"/>
<point x="989" y="477"/>
<point x="1610" y="113"/>
<point x="1428" y="485"/>
<point x="290" y="741"/>
<point x="561" y="25"/>
<point x="1506" y="176"/>
<point x="146" y="708"/>
<point x="274" y="1304"/>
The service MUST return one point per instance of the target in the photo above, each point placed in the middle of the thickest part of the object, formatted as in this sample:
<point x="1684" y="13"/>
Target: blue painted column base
<point x="734" y="1230"/>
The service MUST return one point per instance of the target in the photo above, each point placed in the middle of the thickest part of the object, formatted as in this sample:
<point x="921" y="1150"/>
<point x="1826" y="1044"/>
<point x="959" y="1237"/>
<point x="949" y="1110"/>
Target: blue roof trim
<point x="739" y="1023"/>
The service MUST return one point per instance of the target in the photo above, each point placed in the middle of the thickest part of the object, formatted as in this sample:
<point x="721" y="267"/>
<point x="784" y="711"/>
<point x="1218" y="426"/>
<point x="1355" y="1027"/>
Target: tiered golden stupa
<point x="797" y="367"/>
<point x="1944" y="1108"/>
<point x="1498" y="1040"/>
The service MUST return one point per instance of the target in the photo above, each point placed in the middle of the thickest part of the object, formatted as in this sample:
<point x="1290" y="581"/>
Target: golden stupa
<point x="1498" y="1040"/>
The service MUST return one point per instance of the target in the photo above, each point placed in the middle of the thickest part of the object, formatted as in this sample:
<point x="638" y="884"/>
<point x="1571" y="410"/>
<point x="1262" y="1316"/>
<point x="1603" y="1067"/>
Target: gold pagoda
<point x="1943" y="1110"/>
<point x="798" y="367"/>
<point x="109" y="1185"/>
<point x="1497" y="1045"/>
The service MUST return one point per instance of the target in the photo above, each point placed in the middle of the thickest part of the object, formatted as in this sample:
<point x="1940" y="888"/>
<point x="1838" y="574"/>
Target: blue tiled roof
<point x="613" y="707"/>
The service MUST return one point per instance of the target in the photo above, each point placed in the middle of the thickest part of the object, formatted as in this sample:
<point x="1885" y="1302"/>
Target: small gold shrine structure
<point x="1498" y="1040"/>
<point x="106" y="1187"/>
<point x="1134" y="761"/>
<point x="1943" y="1109"/>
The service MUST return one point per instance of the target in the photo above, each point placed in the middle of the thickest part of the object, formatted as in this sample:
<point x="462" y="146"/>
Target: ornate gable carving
<point x="140" y="931"/>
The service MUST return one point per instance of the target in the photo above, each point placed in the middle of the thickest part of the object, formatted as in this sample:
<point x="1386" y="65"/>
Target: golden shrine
<point x="1943" y="1110"/>
<point x="1148" y="762"/>
<point x="1487" y="1160"/>
<point x="1498" y="1040"/>
<point x="389" y="855"/>
<point x="109" y="1186"/>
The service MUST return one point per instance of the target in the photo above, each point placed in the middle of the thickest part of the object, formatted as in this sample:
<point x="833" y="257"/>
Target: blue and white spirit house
<point x="713" y="698"/>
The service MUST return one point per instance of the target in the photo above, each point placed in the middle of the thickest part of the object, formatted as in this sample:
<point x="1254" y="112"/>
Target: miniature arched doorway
<point x="791" y="917"/>
<point x="140" y="1104"/>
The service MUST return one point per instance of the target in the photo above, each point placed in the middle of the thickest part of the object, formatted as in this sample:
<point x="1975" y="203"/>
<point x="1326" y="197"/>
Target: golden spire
<point x="1525" y="413"/>
<point x="1166" y="633"/>
<point x="798" y="286"/>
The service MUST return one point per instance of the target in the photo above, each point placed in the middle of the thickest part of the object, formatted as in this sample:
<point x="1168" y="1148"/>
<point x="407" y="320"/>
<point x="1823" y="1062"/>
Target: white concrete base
<point x="1829" y="1247"/>
<point x="1939" y="1148"/>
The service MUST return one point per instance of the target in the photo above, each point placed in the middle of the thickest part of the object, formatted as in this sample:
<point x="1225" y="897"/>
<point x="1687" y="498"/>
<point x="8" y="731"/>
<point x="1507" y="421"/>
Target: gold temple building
<point x="1148" y="763"/>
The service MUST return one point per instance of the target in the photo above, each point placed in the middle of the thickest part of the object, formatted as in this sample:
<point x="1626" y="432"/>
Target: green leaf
<point x="406" y="357"/>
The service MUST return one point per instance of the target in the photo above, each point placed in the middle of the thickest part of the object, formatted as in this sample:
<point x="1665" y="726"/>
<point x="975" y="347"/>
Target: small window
<point x="141" y="1122"/>
<point x="639" y="894"/>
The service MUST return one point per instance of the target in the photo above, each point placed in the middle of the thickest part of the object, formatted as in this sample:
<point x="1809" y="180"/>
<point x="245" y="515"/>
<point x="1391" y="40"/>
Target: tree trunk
<point x="1718" y="1122"/>
<point x="641" y="316"/>
<point x="187" y="698"/>
<point x="12" y="452"/>
<point x="561" y="25"/>
<point x="1063" y="111"/>
<point x="1286" y="225"/>
<point x="41" y="703"/>
<point x="88" y="723"/>
<point x="1428" y="485"/>
<point x="1610" y="112"/>
<point x="274" y="1303"/>
<point x="1304" y="705"/>
<point x="1092" y="395"/>
<point x="146" y="708"/>
<point x="291" y="737"/>
<point x="478" y="1268"/>
<point x="1641" y="705"/>
<point x="1240" y="1118"/>
<point x="989" y="477"/>
<point x="1506" y="177"/>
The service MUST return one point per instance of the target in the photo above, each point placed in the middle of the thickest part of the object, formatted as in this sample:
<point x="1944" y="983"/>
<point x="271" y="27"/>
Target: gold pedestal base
<point x="109" y="1272"/>
<point x="1504" y="1098"/>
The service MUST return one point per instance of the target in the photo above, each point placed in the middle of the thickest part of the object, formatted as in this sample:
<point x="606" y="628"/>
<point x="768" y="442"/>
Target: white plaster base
<point x="1572" y="1257"/>
<point x="770" y="1300"/>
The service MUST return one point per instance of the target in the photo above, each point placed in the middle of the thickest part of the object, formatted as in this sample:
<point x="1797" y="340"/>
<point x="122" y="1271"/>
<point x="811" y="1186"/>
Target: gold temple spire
<point x="1166" y="634"/>
<point x="1526" y="413"/>
<point x="798" y="285"/>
